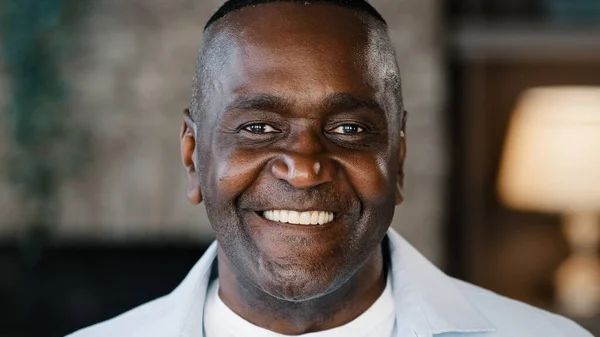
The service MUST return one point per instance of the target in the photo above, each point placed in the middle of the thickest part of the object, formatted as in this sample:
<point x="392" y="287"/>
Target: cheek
<point x="370" y="174"/>
<point x="236" y="169"/>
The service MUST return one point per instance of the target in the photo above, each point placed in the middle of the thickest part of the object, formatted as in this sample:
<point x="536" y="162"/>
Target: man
<point x="295" y="142"/>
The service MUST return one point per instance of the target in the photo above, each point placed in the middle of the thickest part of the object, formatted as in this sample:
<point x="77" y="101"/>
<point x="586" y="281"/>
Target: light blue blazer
<point x="427" y="302"/>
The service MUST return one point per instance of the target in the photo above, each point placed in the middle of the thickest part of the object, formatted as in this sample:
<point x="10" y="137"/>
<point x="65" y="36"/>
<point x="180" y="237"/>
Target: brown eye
<point x="260" y="128"/>
<point x="348" y="129"/>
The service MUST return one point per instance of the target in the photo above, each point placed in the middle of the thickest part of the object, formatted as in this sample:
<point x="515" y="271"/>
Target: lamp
<point x="551" y="163"/>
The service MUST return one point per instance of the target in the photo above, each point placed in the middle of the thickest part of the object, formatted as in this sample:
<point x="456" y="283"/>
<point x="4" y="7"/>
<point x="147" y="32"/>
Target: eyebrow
<point x="335" y="102"/>
<point x="347" y="102"/>
<point x="266" y="102"/>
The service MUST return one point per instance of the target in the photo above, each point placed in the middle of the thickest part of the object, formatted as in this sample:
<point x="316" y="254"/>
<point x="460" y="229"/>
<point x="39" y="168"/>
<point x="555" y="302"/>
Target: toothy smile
<point x="299" y="218"/>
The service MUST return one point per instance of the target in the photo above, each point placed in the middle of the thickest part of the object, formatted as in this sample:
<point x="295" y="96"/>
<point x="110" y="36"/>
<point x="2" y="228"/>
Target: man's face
<point x="298" y="121"/>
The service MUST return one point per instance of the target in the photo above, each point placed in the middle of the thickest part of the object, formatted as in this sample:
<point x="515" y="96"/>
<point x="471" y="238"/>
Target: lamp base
<point x="578" y="277"/>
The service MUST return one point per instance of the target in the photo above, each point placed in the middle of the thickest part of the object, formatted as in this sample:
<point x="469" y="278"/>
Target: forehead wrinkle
<point x="319" y="85"/>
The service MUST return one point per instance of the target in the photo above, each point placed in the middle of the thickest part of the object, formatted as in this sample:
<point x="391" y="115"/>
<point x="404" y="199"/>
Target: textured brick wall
<point x="414" y="26"/>
<point x="131" y="79"/>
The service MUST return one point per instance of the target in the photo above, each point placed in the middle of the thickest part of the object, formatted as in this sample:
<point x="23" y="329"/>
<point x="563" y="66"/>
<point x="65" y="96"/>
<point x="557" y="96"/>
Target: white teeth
<point x="322" y="217"/>
<point x="314" y="218"/>
<point x="299" y="218"/>
<point x="305" y="218"/>
<point x="293" y="217"/>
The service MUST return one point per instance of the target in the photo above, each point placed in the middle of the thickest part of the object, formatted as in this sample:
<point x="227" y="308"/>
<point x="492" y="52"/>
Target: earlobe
<point x="188" y="155"/>
<point x="399" y="194"/>
<point x="194" y="194"/>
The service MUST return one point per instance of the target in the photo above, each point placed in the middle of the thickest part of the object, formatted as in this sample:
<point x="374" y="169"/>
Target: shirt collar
<point x="427" y="301"/>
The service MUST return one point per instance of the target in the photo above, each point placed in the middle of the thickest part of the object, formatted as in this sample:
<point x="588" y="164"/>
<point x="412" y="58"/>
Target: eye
<point x="260" y="128"/>
<point x="348" y="129"/>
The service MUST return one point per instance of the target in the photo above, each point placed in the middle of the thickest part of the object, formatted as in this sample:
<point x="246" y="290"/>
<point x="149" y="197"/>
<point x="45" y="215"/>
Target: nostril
<point x="280" y="169"/>
<point x="301" y="171"/>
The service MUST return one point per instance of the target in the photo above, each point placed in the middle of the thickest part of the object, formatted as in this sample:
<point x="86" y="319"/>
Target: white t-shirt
<point x="220" y="321"/>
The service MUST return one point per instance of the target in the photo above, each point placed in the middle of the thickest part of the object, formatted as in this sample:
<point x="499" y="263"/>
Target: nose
<point x="303" y="171"/>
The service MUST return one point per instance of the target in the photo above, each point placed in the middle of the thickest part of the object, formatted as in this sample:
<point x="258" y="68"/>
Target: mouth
<point x="308" y="218"/>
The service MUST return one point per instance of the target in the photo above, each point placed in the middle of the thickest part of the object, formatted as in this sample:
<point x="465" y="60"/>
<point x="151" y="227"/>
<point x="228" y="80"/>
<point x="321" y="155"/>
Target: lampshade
<point x="551" y="159"/>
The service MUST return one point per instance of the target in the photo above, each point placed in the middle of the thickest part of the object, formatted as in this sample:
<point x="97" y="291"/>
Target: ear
<point x="188" y="156"/>
<point x="402" y="154"/>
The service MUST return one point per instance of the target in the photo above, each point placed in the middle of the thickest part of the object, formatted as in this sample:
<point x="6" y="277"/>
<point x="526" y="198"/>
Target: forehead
<point x="278" y="22"/>
<point x="296" y="51"/>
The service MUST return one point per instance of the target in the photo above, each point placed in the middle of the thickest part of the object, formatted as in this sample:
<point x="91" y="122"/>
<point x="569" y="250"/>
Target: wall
<point x="131" y="79"/>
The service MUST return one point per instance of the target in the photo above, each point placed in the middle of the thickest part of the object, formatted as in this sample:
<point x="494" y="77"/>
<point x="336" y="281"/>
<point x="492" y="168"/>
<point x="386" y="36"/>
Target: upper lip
<point x="300" y="202"/>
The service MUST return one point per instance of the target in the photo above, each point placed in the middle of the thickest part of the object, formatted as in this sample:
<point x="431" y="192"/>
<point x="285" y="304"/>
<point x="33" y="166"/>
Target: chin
<point x="297" y="287"/>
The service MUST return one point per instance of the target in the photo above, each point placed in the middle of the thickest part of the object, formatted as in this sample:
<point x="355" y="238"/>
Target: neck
<point x="294" y="318"/>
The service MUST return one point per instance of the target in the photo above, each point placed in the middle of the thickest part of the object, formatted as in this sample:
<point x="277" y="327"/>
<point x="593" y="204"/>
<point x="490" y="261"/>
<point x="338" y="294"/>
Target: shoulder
<point x="513" y="318"/>
<point x="134" y="322"/>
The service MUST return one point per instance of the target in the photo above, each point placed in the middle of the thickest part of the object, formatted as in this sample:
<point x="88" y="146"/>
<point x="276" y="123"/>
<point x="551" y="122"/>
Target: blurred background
<point x="93" y="215"/>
